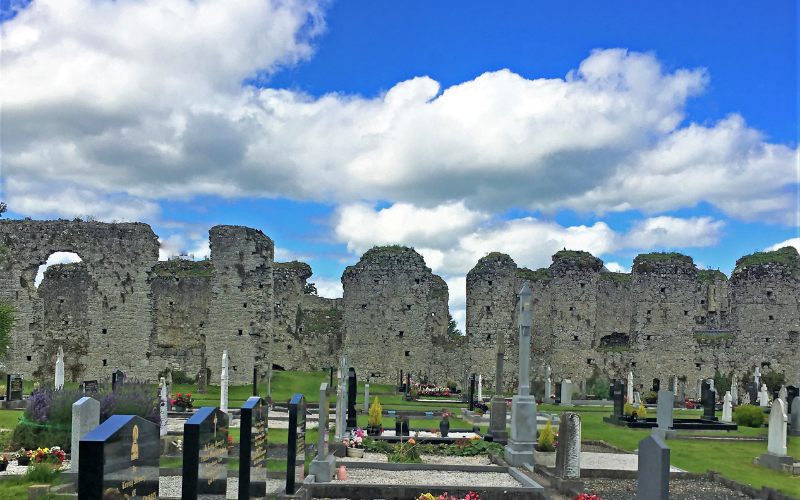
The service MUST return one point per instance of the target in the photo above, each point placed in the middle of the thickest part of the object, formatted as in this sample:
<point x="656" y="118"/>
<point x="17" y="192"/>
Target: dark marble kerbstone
<point x="253" y="450"/>
<point x="120" y="454"/>
<point x="205" y="455"/>
<point x="296" y="458"/>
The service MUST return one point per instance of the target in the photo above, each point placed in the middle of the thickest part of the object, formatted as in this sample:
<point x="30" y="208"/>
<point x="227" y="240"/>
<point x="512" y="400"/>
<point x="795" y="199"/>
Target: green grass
<point x="541" y="274"/>
<point x="785" y="255"/>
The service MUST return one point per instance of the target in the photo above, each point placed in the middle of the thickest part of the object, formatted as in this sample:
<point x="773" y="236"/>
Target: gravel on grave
<point x="429" y="478"/>
<point x="170" y="486"/>
<point x="14" y="469"/>
<point x="428" y="459"/>
<point x="680" y="489"/>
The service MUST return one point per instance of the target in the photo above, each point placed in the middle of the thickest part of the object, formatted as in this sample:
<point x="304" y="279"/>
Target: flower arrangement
<point x="430" y="390"/>
<point x="3" y="460"/>
<point x="470" y="496"/>
<point x="447" y="414"/>
<point x="230" y="440"/>
<point x="356" y="439"/>
<point x="586" y="496"/>
<point x="184" y="400"/>
<point x="689" y="405"/>
<point x="52" y="455"/>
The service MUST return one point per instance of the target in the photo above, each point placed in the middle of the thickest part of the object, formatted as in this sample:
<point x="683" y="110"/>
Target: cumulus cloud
<point x="55" y="258"/>
<point x="143" y="100"/>
<point x="616" y="267"/>
<point x="792" y="242"/>
<point x="330" y="288"/>
<point x="675" y="232"/>
<point x="178" y="244"/>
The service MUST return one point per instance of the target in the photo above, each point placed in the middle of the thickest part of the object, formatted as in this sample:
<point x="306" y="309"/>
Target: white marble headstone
<point x="630" y="387"/>
<point x="735" y="389"/>
<point x="164" y="405"/>
<point x="223" y="382"/>
<point x="727" y="407"/>
<point x="783" y="395"/>
<point x="763" y="397"/>
<point x="480" y="388"/>
<point x="60" y="369"/>
<point x="777" y="429"/>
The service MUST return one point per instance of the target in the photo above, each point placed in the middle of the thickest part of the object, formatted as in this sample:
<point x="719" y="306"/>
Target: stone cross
<point x="163" y="406"/>
<point x="60" y="369"/>
<point x="735" y="389"/>
<point x="664" y="410"/>
<point x="630" y="387"/>
<point x="727" y="407"/>
<point x="653" y="477"/>
<point x="763" y="398"/>
<point x="547" y="383"/>
<point x="568" y="451"/>
<point x="85" y="417"/>
<point x="777" y="429"/>
<point x="525" y="322"/>
<point x="223" y="383"/>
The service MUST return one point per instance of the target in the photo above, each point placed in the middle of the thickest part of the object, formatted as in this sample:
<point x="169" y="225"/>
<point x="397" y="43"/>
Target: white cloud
<point x="134" y="101"/>
<point x="674" y="232"/>
<point x="329" y="288"/>
<point x="616" y="267"/>
<point x="791" y="242"/>
<point x="179" y="244"/>
<point x="54" y="259"/>
<point x="457" y="286"/>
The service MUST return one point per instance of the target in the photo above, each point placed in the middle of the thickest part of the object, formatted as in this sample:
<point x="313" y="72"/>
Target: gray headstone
<point x="653" y="475"/>
<point x="664" y="412"/>
<point x="796" y="414"/>
<point x="568" y="452"/>
<point x="85" y="417"/>
<point x="566" y="392"/>
<point x="366" y="397"/>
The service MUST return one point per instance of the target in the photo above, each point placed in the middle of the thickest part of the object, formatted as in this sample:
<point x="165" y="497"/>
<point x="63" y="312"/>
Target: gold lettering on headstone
<point x="135" y="445"/>
<point x="215" y="425"/>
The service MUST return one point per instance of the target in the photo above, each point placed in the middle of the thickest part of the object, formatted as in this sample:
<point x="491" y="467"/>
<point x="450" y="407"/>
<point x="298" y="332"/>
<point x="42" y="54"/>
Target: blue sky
<point x="453" y="127"/>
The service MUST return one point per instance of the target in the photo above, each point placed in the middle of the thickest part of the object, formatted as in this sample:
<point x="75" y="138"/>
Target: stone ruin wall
<point x="121" y="308"/>
<point x="587" y="321"/>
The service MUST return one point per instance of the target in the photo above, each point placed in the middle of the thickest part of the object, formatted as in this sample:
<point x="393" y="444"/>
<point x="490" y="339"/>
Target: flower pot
<point x="24" y="462"/>
<point x="3" y="466"/>
<point x="230" y="449"/>
<point x="544" y="458"/>
<point x="374" y="431"/>
<point x="179" y="409"/>
<point x="355" y="452"/>
<point x="444" y="427"/>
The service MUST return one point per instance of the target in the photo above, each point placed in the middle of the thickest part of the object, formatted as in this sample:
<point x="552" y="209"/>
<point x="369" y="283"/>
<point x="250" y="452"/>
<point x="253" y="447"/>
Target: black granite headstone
<point x="472" y="392"/>
<point x="752" y="390"/>
<point x="253" y="450"/>
<point x="656" y="385"/>
<point x="205" y="455"/>
<point x="330" y="384"/>
<point x="14" y="387"/>
<point x="117" y="376"/>
<point x="619" y="398"/>
<point x="352" y="390"/>
<point x="120" y="455"/>
<point x="296" y="457"/>
<point x="708" y="398"/>
<point x="255" y="381"/>
<point x="792" y="392"/>
<point x="90" y="386"/>
<point x="558" y="393"/>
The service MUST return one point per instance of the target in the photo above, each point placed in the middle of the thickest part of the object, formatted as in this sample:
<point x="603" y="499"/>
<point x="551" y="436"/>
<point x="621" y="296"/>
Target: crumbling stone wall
<point x="665" y="317"/>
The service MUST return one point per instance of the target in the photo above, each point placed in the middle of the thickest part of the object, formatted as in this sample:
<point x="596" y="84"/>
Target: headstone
<point x="566" y="393"/>
<point x="223" y="383"/>
<point x="366" y="397"/>
<point x="763" y="397"/>
<point x="255" y="381"/>
<point x="630" y="387"/>
<point x="637" y="399"/>
<point x="735" y="390"/>
<point x="296" y="455"/>
<point x="85" y="417"/>
<point x="664" y="411"/>
<point x="568" y="451"/>
<point x="480" y="388"/>
<point x="205" y="455"/>
<point x="60" y="369"/>
<point x="746" y="399"/>
<point x="708" y="396"/>
<point x="163" y="406"/>
<point x="618" y="394"/>
<point x="548" y="391"/>
<point x="522" y="437"/>
<point x="324" y="464"/>
<point x="653" y="476"/>
<point x="116" y="379"/>
<point x="791" y="393"/>
<point x="471" y="406"/>
<point x="339" y="424"/>
<point x="120" y="455"/>
<point x="253" y="449"/>
<point x="757" y="376"/>
<point x="90" y="387"/>
<point x="583" y="389"/>
<point x="656" y="385"/>
<point x="14" y="387"/>
<point x="727" y="407"/>
<point x="202" y="377"/>
<point x="352" y="388"/>
<point x="330" y="383"/>
<point x="776" y="457"/>
<point x="795" y="423"/>
<point x="752" y="393"/>
<point x="783" y="395"/>
<point x="558" y="393"/>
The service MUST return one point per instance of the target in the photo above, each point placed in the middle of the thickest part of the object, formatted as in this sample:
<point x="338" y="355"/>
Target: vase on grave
<point x="444" y="427"/>
<point x="544" y="458"/>
<point x="374" y="431"/>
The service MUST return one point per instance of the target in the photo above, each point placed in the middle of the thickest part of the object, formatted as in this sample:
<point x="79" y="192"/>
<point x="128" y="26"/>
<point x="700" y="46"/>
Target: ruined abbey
<point x="120" y="308"/>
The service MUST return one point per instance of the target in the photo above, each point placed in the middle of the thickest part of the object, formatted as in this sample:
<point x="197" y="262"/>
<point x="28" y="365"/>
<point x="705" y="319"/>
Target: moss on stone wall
<point x="646" y="262"/>
<point x="785" y="255"/>
<point x="541" y="274"/>
<point x="710" y="275"/>
<point x="180" y="267"/>
<point x="615" y="277"/>
<point x="322" y="321"/>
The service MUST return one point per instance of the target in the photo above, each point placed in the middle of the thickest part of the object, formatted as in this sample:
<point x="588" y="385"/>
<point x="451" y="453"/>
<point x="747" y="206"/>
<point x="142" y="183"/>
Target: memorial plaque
<point x="205" y="455"/>
<point x="90" y="386"/>
<point x="14" y="387"/>
<point x="296" y="458"/>
<point x="253" y="450"/>
<point x="119" y="459"/>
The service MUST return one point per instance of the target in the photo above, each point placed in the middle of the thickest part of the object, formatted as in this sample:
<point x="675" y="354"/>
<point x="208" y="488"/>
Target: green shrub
<point x="642" y="411"/>
<point x="375" y="416"/>
<point x="650" y="395"/>
<point x="749" y="416"/>
<point x="377" y="446"/>
<point x="451" y="384"/>
<point x="627" y="409"/>
<point x="407" y="452"/>
<point x="774" y="380"/>
<point x="601" y="389"/>
<point x="546" y="438"/>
